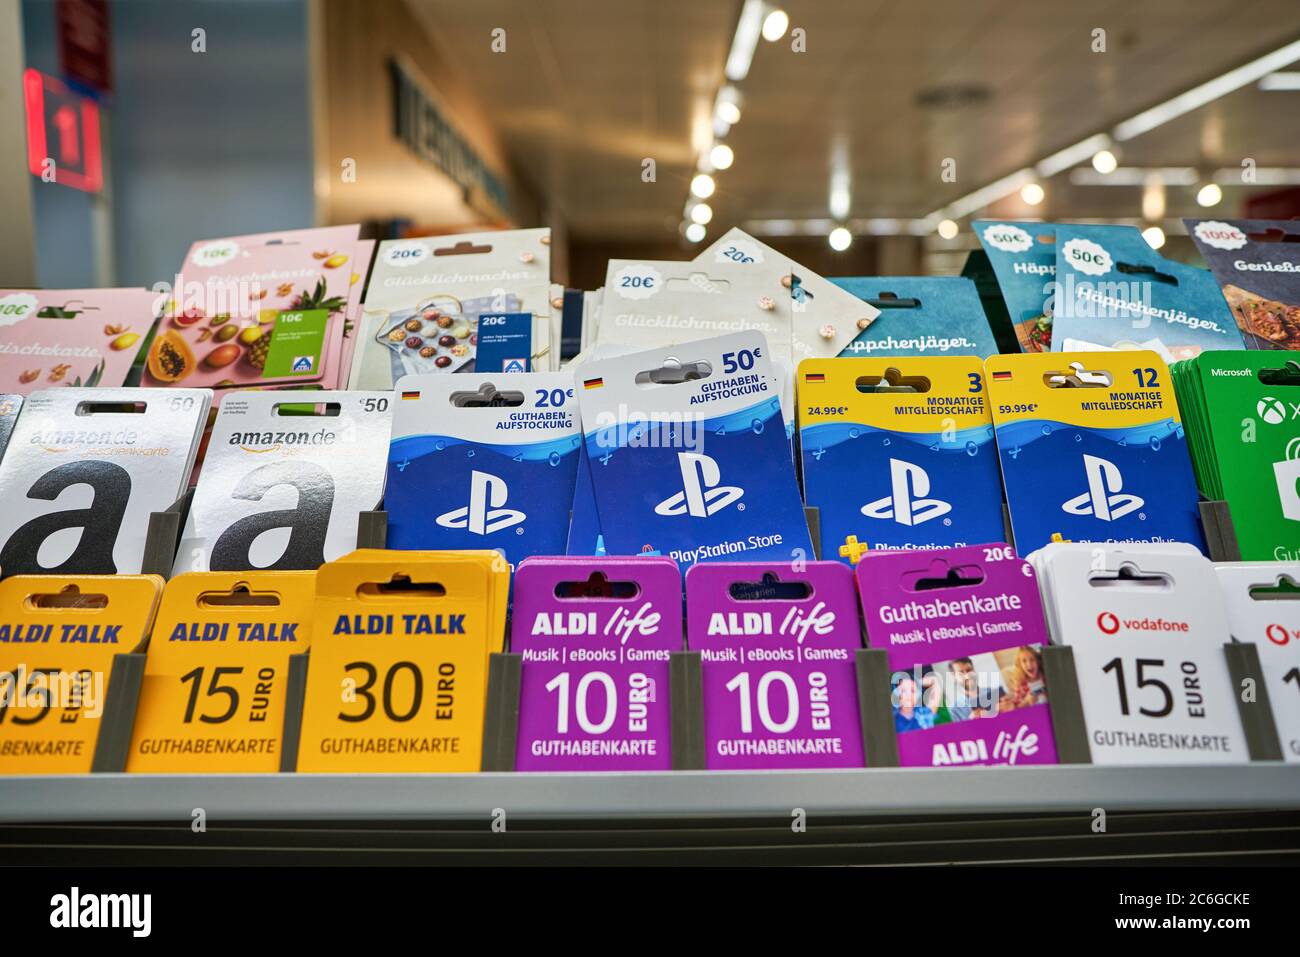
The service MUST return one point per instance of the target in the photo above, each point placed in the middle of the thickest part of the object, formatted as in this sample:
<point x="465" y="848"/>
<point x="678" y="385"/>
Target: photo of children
<point x="980" y="686"/>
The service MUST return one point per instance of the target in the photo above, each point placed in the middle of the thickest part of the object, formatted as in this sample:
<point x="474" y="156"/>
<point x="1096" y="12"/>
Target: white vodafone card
<point x="1148" y="627"/>
<point x="1263" y="602"/>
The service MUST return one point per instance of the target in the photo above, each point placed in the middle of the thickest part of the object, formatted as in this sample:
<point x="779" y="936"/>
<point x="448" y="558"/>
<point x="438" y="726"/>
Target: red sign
<point x="62" y="134"/>
<point x="84" y="43"/>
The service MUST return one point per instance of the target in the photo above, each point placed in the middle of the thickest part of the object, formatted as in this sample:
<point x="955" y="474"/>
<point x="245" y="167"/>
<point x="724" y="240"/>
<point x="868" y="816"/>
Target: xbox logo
<point x="1271" y="410"/>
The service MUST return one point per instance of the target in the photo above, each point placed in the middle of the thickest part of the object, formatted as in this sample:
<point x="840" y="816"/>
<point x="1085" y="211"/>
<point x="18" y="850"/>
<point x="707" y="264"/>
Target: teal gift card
<point x="920" y="316"/>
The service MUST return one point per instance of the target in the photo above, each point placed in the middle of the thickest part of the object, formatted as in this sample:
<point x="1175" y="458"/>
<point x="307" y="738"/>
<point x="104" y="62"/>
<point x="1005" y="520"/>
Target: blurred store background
<point x="859" y="137"/>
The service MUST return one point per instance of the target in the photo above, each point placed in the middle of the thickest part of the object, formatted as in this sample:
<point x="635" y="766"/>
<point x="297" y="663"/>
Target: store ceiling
<point x="585" y="91"/>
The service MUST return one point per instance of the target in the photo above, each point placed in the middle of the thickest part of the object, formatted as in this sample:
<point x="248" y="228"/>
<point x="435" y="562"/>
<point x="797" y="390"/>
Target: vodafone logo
<point x="1108" y="623"/>
<point x="1111" y="624"/>
<point x="1277" y="634"/>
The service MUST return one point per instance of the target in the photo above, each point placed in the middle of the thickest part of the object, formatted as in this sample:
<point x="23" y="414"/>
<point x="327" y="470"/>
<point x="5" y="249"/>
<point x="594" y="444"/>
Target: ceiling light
<point x="1104" y="162"/>
<point x="1138" y="176"/>
<point x="986" y="195"/>
<point x="721" y="156"/>
<point x="840" y="239"/>
<point x="1207" y="92"/>
<point x="745" y="40"/>
<point x="701" y="213"/>
<point x="1260" y="176"/>
<point x="948" y="229"/>
<point x="703" y="186"/>
<point x="1071" y="156"/>
<point x="775" y="25"/>
<point x="1153" y="198"/>
<point x="1032" y="193"/>
<point x="1209" y="195"/>
<point x="729" y="113"/>
<point x="695" y="232"/>
<point x="1280" y="82"/>
<point x="1155" y="236"/>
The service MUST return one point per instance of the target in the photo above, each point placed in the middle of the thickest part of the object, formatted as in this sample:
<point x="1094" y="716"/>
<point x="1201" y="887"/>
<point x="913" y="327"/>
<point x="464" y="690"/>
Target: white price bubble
<point x="638" y="281"/>
<point x="215" y="253"/>
<point x="405" y="254"/>
<point x="1087" y="257"/>
<point x="741" y="252"/>
<point x="1009" y="239"/>
<point x="16" y="307"/>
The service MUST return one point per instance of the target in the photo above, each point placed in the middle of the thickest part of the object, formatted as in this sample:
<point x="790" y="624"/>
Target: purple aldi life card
<point x="780" y="686"/>
<point x="595" y="635"/>
<point x="964" y="631"/>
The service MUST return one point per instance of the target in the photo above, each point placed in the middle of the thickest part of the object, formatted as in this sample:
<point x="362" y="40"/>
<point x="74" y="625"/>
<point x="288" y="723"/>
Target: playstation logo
<point x="1104" y="498"/>
<point x="484" y="514"/>
<point x="906" y="503"/>
<point x="701" y="495"/>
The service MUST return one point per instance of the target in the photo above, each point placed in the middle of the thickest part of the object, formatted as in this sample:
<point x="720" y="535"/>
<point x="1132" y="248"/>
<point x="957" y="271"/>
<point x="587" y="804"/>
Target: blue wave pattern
<point x="1043" y="467"/>
<point x="631" y="477"/>
<point x="849" y="466"/>
<point x="432" y="475"/>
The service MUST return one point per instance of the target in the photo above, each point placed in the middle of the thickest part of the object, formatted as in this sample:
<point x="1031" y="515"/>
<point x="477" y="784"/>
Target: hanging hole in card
<point x="942" y="575"/>
<point x="1141" y="269"/>
<point x="893" y="381"/>
<point x="111" y="408"/>
<point x="1047" y="239"/>
<point x="1284" y="589"/>
<point x="400" y="586"/>
<point x="1129" y="575"/>
<point x="486" y="397"/>
<point x="68" y="597"/>
<point x="1288" y="374"/>
<point x="1275" y="235"/>
<point x="673" y="372"/>
<point x="697" y="282"/>
<point x="770" y="588"/>
<point x="1077" y="377"/>
<point x="462" y="248"/>
<point x="241" y="596"/>
<point x="597" y="586"/>
<point x="891" y="300"/>
<point x="307" y="408"/>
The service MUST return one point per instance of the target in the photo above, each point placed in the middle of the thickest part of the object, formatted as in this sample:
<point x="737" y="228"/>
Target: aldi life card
<point x="285" y="476"/>
<point x="898" y="453"/>
<point x="85" y="468"/>
<point x="483" y="460"/>
<point x="964" y="632"/>
<point x="1092" y="449"/>
<point x="688" y="453"/>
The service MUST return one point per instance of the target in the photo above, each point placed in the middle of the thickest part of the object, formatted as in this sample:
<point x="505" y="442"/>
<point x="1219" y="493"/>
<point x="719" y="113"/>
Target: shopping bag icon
<point x="1288" y="480"/>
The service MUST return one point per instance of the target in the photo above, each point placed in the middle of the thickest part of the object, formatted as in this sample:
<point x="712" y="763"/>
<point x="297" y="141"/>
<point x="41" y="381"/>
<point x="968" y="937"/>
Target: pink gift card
<point x="77" y="337"/>
<point x="964" y="630"/>
<point x="777" y="650"/>
<point x="595" y="635"/>
<point x="265" y="309"/>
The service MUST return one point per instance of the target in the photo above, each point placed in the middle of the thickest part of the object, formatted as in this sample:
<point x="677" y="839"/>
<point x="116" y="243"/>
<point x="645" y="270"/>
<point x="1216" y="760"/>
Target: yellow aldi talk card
<point x="58" y="638"/>
<point x="397" y="678"/>
<point x="213" y="697"/>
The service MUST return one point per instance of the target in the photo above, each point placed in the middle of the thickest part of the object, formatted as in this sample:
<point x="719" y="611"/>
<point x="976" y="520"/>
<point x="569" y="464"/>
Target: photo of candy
<point x="444" y="322"/>
<point x="442" y="361"/>
<point x="414" y="342"/>
<point x="397" y="335"/>
<point x="459" y="351"/>
<point x="431" y="315"/>
<point x="414" y="325"/>
<point x="461" y="331"/>
<point x="428" y="352"/>
<point x="446" y="341"/>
